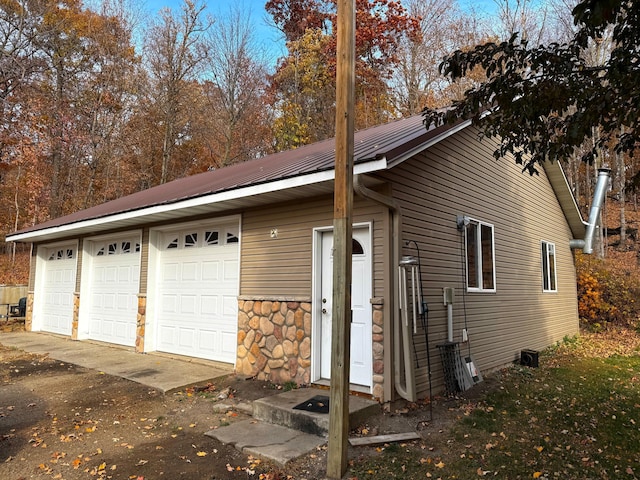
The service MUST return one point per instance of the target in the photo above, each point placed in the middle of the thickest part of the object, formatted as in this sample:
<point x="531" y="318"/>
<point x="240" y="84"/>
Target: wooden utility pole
<point x="342" y="237"/>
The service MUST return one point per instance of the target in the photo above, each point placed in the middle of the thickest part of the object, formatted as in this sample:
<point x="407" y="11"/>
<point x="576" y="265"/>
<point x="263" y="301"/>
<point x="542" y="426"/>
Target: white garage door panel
<point x="114" y="291"/>
<point x="197" y="293"/>
<point x="58" y="287"/>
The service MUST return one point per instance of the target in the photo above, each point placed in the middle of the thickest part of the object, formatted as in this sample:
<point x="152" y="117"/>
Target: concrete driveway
<point x="160" y="371"/>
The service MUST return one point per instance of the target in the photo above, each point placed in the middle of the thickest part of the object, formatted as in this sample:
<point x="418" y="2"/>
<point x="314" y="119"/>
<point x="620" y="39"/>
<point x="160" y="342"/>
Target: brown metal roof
<point x="373" y="143"/>
<point x="240" y="186"/>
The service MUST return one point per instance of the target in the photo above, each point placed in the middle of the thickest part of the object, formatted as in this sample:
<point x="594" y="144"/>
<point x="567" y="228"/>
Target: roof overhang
<point x="297" y="187"/>
<point x="421" y="146"/>
<point x="567" y="201"/>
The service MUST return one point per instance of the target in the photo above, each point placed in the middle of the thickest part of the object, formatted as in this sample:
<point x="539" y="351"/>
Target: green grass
<point x="573" y="418"/>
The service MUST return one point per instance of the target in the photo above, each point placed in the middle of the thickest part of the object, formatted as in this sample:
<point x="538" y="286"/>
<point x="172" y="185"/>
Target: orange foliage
<point x="607" y="292"/>
<point x="14" y="271"/>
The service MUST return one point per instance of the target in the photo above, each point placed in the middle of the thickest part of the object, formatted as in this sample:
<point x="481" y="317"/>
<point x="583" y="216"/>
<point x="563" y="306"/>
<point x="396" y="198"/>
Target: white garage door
<point x="197" y="292"/>
<point x="115" y="280"/>
<point x="58" y="287"/>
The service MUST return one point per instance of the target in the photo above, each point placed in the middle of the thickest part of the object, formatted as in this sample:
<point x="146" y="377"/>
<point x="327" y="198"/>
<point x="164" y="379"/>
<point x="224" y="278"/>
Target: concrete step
<point x="265" y="440"/>
<point x="278" y="410"/>
<point x="279" y="433"/>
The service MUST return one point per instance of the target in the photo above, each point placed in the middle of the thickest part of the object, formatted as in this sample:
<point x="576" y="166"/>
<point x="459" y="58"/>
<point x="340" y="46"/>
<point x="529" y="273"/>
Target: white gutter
<point x="602" y="185"/>
<point x="105" y="221"/>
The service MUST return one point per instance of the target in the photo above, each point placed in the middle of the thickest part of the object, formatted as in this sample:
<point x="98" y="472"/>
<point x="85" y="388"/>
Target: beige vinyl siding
<point x="282" y="266"/>
<point x="79" y="259"/>
<point x="32" y="266"/>
<point x="460" y="177"/>
<point x="144" y="261"/>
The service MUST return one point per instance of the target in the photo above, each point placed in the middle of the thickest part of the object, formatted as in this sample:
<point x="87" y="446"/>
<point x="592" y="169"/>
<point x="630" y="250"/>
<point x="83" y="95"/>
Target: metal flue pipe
<point x="602" y="185"/>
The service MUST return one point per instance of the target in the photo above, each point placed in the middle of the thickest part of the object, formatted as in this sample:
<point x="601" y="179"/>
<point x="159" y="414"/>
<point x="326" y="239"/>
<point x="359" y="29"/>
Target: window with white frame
<point x="549" y="283"/>
<point x="479" y="250"/>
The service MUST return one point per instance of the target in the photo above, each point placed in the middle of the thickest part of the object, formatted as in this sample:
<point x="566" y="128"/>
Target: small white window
<point x="549" y="283"/>
<point x="480" y="258"/>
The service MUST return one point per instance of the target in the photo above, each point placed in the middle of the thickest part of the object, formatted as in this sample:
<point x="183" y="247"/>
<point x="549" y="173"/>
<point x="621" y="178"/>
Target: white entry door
<point x="361" y="322"/>
<point x="197" y="292"/>
<point x="56" y="301"/>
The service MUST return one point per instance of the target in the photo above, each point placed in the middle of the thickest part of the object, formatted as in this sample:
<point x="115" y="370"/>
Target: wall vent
<point x="529" y="358"/>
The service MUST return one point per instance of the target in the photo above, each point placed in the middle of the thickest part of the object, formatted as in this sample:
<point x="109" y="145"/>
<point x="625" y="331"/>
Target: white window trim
<point x="479" y="224"/>
<point x="545" y="259"/>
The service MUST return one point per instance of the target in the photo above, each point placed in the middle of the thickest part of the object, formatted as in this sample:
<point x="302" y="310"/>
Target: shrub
<point x="607" y="293"/>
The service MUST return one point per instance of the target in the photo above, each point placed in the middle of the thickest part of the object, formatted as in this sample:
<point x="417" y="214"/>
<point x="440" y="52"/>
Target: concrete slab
<point x="156" y="370"/>
<point x="272" y="442"/>
<point x="278" y="409"/>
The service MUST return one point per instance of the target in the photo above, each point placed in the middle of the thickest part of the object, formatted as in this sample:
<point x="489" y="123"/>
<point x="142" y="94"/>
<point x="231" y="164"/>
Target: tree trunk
<point x="622" y="181"/>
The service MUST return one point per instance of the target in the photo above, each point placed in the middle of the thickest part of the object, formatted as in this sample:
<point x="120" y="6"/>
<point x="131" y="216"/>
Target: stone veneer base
<point x="274" y="341"/>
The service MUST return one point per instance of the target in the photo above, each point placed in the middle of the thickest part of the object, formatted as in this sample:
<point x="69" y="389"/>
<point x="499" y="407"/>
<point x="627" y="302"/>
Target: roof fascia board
<point x="269" y="187"/>
<point x="429" y="143"/>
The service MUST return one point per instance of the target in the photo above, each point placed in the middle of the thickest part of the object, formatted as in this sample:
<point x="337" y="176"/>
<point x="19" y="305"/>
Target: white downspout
<point x="407" y="391"/>
<point x="602" y="185"/>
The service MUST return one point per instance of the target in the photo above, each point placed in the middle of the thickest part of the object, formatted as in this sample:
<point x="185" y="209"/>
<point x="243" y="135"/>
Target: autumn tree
<point x="544" y="101"/>
<point x="174" y="50"/>
<point x="294" y="17"/>
<point x="310" y="30"/>
<point x="305" y="92"/>
<point x="58" y="70"/>
<point x="234" y="113"/>
<point x="416" y="81"/>
<point x="527" y="18"/>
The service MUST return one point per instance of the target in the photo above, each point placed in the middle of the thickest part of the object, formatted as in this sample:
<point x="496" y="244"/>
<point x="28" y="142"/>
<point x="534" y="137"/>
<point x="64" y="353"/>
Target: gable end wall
<point x="460" y="177"/>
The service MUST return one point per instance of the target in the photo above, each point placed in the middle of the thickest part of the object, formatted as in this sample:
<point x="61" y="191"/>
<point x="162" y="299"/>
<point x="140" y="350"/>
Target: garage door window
<point x="117" y="248"/>
<point x="190" y="240"/>
<point x="201" y="238"/>
<point x="232" y="237"/>
<point x="126" y="247"/>
<point x="62" y="254"/>
<point x="211" y="237"/>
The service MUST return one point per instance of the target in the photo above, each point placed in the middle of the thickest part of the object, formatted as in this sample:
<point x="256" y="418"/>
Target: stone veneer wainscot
<point x="274" y="340"/>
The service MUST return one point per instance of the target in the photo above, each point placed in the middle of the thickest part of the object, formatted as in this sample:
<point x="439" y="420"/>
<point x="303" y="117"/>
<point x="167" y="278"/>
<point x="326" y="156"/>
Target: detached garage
<point x="193" y="290"/>
<point x="234" y="264"/>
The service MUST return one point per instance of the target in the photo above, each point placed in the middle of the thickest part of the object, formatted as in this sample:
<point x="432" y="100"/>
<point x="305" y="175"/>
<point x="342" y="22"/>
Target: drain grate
<point x="317" y="404"/>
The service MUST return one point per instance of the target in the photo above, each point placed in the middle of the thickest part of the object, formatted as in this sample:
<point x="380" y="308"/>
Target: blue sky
<point x="269" y="36"/>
